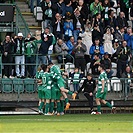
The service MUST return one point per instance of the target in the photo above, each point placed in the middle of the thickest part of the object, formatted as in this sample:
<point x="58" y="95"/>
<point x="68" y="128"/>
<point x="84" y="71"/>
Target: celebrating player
<point x="55" y="70"/>
<point x="102" y="91"/>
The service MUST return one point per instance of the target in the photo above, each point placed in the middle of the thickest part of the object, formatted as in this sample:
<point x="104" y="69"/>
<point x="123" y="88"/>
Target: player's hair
<point x="50" y="63"/>
<point x="89" y="74"/>
<point x="102" y="66"/>
<point x="44" y="67"/>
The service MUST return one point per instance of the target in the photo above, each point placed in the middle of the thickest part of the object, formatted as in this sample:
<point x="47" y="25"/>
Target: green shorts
<point x="40" y="93"/>
<point x="61" y="83"/>
<point x="58" y="94"/>
<point x="101" y="95"/>
<point x="47" y="93"/>
<point x="55" y="92"/>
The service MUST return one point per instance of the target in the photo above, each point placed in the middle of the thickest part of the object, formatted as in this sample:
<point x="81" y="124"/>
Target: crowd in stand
<point x="90" y="31"/>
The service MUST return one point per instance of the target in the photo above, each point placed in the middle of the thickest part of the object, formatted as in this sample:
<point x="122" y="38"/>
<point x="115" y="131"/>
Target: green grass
<point x="105" y="123"/>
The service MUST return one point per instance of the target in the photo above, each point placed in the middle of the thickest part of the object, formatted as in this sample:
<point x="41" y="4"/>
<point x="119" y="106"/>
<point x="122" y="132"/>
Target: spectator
<point x="106" y="61"/>
<point x="127" y="74"/>
<point x="76" y="76"/>
<point x="119" y="35"/>
<point x="115" y="47"/>
<point x="108" y="38"/>
<point x="98" y="28"/>
<point x="68" y="29"/>
<point x="46" y="6"/>
<point x="129" y="38"/>
<point x="61" y="8"/>
<point x="121" y="21"/>
<point x="112" y="21"/>
<point x="95" y="64"/>
<point x="80" y="50"/>
<point x="70" y="44"/>
<point x="50" y="50"/>
<point x="123" y="54"/>
<point x="58" y="27"/>
<point x="96" y="48"/>
<point x="30" y="47"/>
<point x="96" y="7"/>
<point x="88" y="88"/>
<point x="43" y="49"/>
<point x="105" y="12"/>
<point x="68" y="9"/>
<point x="62" y="50"/>
<point x="124" y="7"/>
<point x="74" y="4"/>
<point x="79" y="18"/>
<point x="87" y="40"/>
<point x="20" y="57"/>
<point x="7" y="48"/>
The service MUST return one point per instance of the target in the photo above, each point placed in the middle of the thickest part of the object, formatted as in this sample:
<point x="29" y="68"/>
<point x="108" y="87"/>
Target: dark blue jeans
<point x="76" y="87"/>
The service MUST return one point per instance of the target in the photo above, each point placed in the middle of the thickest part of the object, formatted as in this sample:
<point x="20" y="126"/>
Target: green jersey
<point x="46" y="80"/>
<point x="102" y="76"/>
<point x="39" y="76"/>
<point x="55" y="70"/>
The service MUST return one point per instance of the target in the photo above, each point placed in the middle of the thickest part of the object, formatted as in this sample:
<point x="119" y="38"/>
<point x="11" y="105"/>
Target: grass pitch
<point x="79" y="123"/>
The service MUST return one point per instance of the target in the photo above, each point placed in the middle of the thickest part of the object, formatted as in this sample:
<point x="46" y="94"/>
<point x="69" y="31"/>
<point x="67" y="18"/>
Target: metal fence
<point x="118" y="89"/>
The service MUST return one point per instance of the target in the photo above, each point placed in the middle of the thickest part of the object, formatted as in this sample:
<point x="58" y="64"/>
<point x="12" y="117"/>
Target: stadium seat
<point x="88" y="68"/>
<point x="114" y="68"/>
<point x="29" y="85"/>
<point x="38" y="13"/>
<point x="116" y="84"/>
<point x="69" y="67"/>
<point x="18" y="85"/>
<point x="7" y="85"/>
<point x="108" y="85"/>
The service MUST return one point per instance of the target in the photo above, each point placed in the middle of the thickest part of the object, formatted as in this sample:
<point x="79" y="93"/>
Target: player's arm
<point x="83" y="86"/>
<point x="39" y="81"/>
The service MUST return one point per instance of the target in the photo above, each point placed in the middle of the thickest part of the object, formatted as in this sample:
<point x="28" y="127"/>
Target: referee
<point x="88" y="88"/>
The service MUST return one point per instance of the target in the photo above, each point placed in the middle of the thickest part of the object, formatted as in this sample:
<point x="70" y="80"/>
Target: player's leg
<point x="61" y="85"/>
<point x="53" y="98"/>
<point x="58" y="95"/>
<point x="66" y="100"/>
<point x="62" y="106"/>
<point x="42" y="96"/>
<point x="48" y="98"/>
<point x="98" y="105"/>
<point x="109" y="105"/>
<point x="90" y="100"/>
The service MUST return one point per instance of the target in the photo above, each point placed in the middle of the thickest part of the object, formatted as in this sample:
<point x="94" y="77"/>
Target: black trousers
<point x="7" y="68"/>
<point x="80" y="63"/>
<point x="121" y="67"/>
<point x="90" y="99"/>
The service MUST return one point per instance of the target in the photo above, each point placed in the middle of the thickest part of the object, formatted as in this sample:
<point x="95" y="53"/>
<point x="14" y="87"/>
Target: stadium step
<point x="28" y="16"/>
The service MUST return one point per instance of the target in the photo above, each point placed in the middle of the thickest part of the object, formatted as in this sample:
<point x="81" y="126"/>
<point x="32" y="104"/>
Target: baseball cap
<point x="20" y="34"/>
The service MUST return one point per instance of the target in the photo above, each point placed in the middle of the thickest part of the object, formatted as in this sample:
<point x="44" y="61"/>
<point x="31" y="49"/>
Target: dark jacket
<point x="94" y="68"/>
<point x="88" y="85"/>
<point x="79" y="53"/>
<point x="121" y="54"/>
<point x="45" y="45"/>
<point x="107" y="63"/>
<point x="121" y="22"/>
<point x="55" y="27"/>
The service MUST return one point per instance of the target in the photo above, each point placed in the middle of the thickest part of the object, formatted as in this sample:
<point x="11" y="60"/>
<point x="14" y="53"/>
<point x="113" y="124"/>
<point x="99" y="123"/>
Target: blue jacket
<point x="93" y="47"/>
<point x="70" y="47"/>
<point x="68" y="30"/>
<point x="129" y="40"/>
